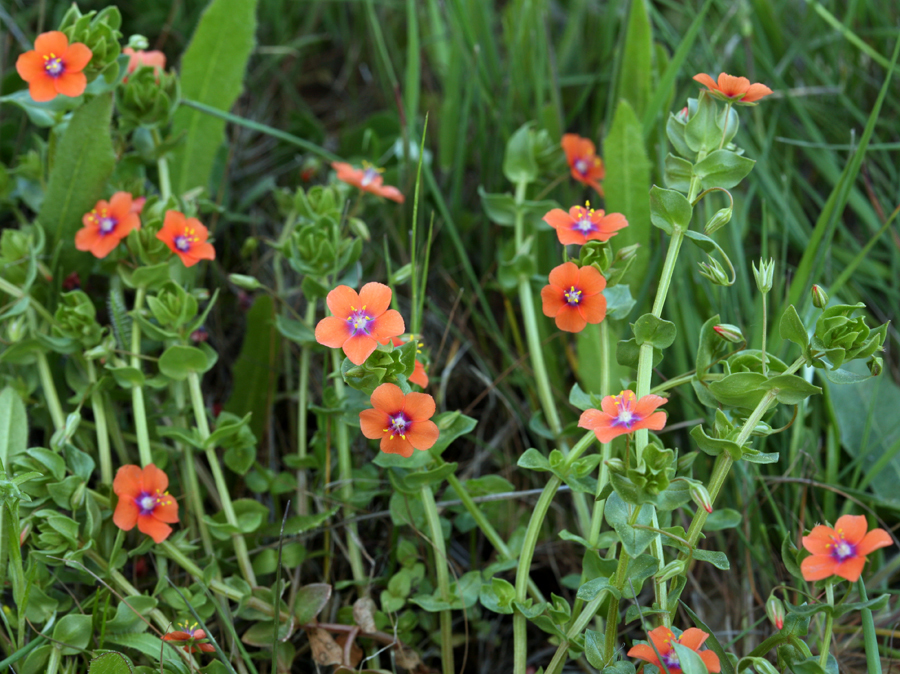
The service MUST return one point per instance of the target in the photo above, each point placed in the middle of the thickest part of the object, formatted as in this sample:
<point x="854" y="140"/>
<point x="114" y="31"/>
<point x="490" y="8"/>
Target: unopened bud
<point x="138" y="42"/>
<point x="627" y="253"/>
<point x="615" y="465"/>
<point x="730" y="333"/>
<point x="775" y="611"/>
<point x="249" y="247"/>
<point x="244" y="282"/>
<point x="764" y="275"/>
<point x="683" y="115"/>
<point x="719" y="220"/>
<point x="671" y="570"/>
<point x="714" y="272"/>
<point x="700" y="495"/>
<point x="16" y="329"/>
<point x="77" y="499"/>
<point x="819" y="297"/>
<point x="876" y="365"/>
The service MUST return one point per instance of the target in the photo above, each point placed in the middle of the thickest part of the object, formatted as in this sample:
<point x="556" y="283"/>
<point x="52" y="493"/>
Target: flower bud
<point x="714" y="272"/>
<point x="138" y="42"/>
<point x="700" y="495"/>
<point x="615" y="465"/>
<point x="819" y="297"/>
<point x="730" y="333"/>
<point x="671" y="570"/>
<point x="719" y="220"/>
<point x="99" y="31"/>
<point x="764" y="275"/>
<point x="775" y="611"/>
<point x="16" y="329"/>
<point x="683" y="115"/>
<point x="77" y="498"/>
<point x="245" y="282"/>
<point x="876" y="365"/>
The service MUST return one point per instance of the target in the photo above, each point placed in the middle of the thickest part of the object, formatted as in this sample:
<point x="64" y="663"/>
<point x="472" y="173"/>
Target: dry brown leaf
<point x="325" y="649"/>
<point x="356" y="652"/>
<point x="363" y="610"/>
<point x="406" y="658"/>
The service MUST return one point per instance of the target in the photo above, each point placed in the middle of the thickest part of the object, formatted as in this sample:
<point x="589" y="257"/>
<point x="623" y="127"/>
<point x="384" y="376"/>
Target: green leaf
<point x="741" y="389"/>
<point x="792" y="328"/>
<point x="532" y="459"/>
<point x="127" y="377"/>
<point x="519" y="163"/>
<point x="594" y="645"/>
<point x="296" y="331"/>
<point x="73" y="630"/>
<point x="628" y="353"/>
<point x="177" y="362"/>
<point x="430" y="477"/>
<point x="636" y="74"/>
<point x="678" y="173"/>
<point x="311" y="599"/>
<point x="701" y="132"/>
<point x="627" y="183"/>
<point x="13" y="426"/>
<point x="110" y="663"/>
<point x="151" y="646"/>
<point x="619" y="301"/>
<point x="150" y="277"/>
<point x="712" y="642"/>
<point x="717" y="559"/>
<point x="648" y="329"/>
<point x="255" y="373"/>
<point x="82" y="163"/>
<point x="722" y="518"/>
<point x="578" y="398"/>
<point x="669" y="210"/>
<point x="617" y="512"/>
<point x="589" y="590"/>
<point x="640" y="569"/>
<point x="212" y="73"/>
<point x="689" y="660"/>
<point x="791" y="389"/>
<point x="723" y="168"/>
<point x="452" y="425"/>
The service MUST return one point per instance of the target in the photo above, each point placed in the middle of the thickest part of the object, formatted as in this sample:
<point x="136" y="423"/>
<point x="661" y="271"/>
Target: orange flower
<point x="368" y="179"/>
<point x="574" y="297"/>
<point x="664" y="640"/>
<point x="401" y="421"/>
<point x="108" y="223"/>
<point x="733" y="89"/>
<point x="419" y="376"/>
<point x="190" y="637"/>
<point x="54" y="67"/>
<point x="623" y="414"/>
<point x="360" y="322"/>
<point x="143" y="500"/>
<point x="151" y="59"/>
<point x="583" y="223"/>
<point x="186" y="237"/>
<point x="841" y="551"/>
<point x="586" y="166"/>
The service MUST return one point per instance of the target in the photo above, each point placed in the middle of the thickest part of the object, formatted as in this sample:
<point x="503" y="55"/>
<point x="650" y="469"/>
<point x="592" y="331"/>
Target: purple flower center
<point x="843" y="550"/>
<point x="54" y="66"/>
<point x="585" y="226"/>
<point x="146" y="502"/>
<point x="360" y="322"/>
<point x="107" y="224"/>
<point x="671" y="660"/>
<point x="369" y="175"/>
<point x="582" y="165"/>
<point x="398" y="424"/>
<point x="573" y="296"/>
<point x="625" y="418"/>
<point x="183" y="243"/>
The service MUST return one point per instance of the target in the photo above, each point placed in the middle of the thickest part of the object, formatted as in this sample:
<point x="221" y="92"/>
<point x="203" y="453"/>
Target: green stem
<point x="103" y="451"/>
<point x="195" y="496"/>
<point x="165" y="185"/>
<point x="443" y="578"/>
<point x="873" y="660"/>
<point x="240" y="545"/>
<point x="55" y="659"/>
<point x="137" y="392"/>
<point x="345" y="475"/>
<point x="606" y="447"/>
<point x="829" y="623"/>
<point x="302" y="416"/>
<point x="47" y="383"/>
<point x="15" y="291"/>
<point x="764" y="330"/>
<point x="185" y="563"/>
<point x="725" y="125"/>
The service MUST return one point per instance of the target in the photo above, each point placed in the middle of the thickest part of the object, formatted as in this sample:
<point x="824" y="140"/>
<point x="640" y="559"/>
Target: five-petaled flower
<point x="419" y="376"/>
<point x="403" y="422"/>
<point x="841" y="551"/>
<point x="664" y="640"/>
<point x="583" y="223"/>
<point x="186" y="237"/>
<point x="733" y="89"/>
<point x="108" y="223"/>
<point x="54" y="67"/>
<point x="190" y="637"/>
<point x="143" y="500"/>
<point x="586" y="166"/>
<point x="623" y="414"/>
<point x="368" y="179"/>
<point x="151" y="59"/>
<point x="360" y="322"/>
<point x="574" y="297"/>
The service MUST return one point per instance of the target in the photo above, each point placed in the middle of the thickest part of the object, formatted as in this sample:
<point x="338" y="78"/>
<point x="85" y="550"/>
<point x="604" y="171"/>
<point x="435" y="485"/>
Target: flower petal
<point x="850" y="569"/>
<point x="104" y="245"/>
<point x="569" y="319"/>
<point x="655" y="422"/>
<point x="706" y="80"/>
<point x="662" y="637"/>
<point x="422" y="434"/>
<point x="76" y="57"/>
<point x="71" y="84"/>
<point x="647" y="404"/>
<point x="358" y="348"/>
<point x="376" y="298"/>
<point x="593" y="308"/>
<point x="120" y="205"/>
<point x="419" y="377"/>
<point x="733" y="86"/>
<point x="30" y="66"/>
<point x="388" y="398"/>
<point x="389" y="324"/>
<point x="693" y="638"/>
<point x="711" y="660"/>
<point x="86" y="238"/>
<point x="818" y="567"/>
<point x="591" y="419"/>
<point x="342" y="300"/>
<point x="852" y="527"/>
<point x="372" y="422"/>
<point x="128" y="481"/>
<point x="756" y="92"/>
<point x="42" y="90"/>
<point x="419" y="406"/>
<point x="558" y="219"/>
<point x="609" y="226"/>
<point x="126" y="514"/>
<point x="53" y="41"/>
<point x="154" y="480"/>
<point x="877" y="538"/>
<point x="552" y="300"/>
<point x="332" y="332"/>
<point x="158" y="531"/>
<point x="568" y="237"/>
<point x="394" y="444"/>
<point x="644" y="652"/>
<point x="565" y="275"/>
<point x="389" y="192"/>
<point x="167" y="512"/>
<point x="590" y="281"/>
<point x="819" y="540"/>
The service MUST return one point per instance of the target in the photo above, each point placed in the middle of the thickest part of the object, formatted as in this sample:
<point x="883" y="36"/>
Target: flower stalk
<point x="137" y="391"/>
<point x="443" y="578"/>
<point x="99" y="408"/>
<point x="829" y="624"/>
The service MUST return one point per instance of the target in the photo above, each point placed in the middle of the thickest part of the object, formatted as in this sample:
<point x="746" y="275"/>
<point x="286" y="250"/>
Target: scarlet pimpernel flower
<point x="419" y="376"/>
<point x="733" y="89"/>
<point x="192" y="638"/>
<point x="402" y="422"/>
<point x="624" y="414"/>
<point x="108" y="223"/>
<point x="841" y="551"/>
<point x="664" y="640"/>
<point x="360" y="322"/>
<point x="368" y="179"/>
<point x="153" y="59"/>
<point x="583" y="223"/>
<point x="574" y="297"/>
<point x="584" y="163"/>
<point x="186" y="237"/>
<point x="144" y="501"/>
<point x="54" y="67"/>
